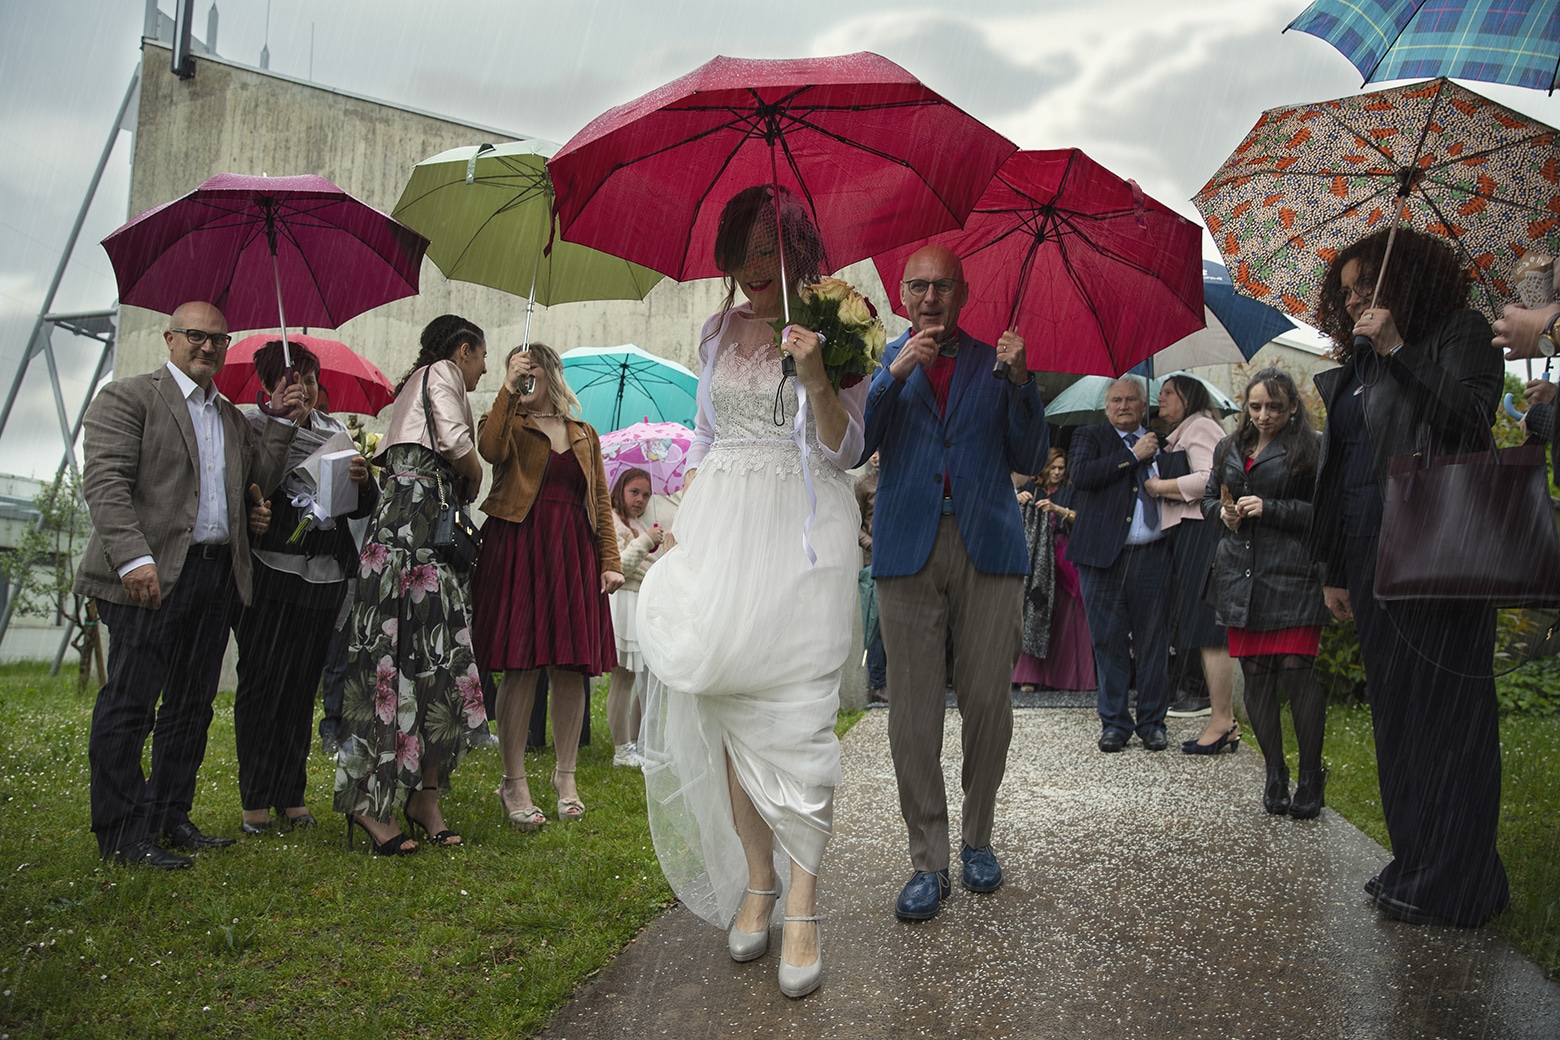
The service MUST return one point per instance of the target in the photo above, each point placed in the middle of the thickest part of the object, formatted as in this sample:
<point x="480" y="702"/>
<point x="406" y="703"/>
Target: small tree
<point x="42" y="566"/>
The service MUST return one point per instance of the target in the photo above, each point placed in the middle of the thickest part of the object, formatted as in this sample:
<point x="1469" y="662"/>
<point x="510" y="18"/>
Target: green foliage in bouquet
<point x="853" y="335"/>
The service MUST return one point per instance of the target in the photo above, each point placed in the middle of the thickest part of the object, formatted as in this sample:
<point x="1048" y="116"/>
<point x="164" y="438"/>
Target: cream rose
<point x="853" y="310"/>
<point x="876" y="338"/>
<point x="835" y="289"/>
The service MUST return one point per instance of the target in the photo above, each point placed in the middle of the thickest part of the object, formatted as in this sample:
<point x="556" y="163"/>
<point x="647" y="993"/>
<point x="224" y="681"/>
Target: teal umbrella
<point x="1083" y="403"/>
<point x="618" y="386"/>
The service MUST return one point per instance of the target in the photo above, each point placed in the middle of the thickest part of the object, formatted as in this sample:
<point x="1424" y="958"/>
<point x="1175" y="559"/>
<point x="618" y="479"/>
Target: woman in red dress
<point x="549" y="559"/>
<point x="1263" y="586"/>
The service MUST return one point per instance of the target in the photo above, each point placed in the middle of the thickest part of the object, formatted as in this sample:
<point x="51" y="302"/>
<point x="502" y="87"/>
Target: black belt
<point x="210" y="550"/>
<point x="1143" y="545"/>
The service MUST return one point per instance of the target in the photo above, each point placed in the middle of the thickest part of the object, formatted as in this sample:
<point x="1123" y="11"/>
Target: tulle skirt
<point x="744" y="642"/>
<point x="625" y="604"/>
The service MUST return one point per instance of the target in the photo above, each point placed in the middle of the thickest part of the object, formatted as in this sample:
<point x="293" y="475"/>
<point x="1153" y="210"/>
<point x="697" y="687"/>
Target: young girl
<point x="1264" y="587"/>
<point x="637" y="545"/>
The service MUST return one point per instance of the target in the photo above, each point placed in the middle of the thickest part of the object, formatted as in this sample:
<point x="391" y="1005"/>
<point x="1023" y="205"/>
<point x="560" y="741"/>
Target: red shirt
<point x="941" y="375"/>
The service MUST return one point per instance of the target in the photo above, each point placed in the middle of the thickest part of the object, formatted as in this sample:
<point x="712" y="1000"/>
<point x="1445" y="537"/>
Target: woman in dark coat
<point x="1430" y="384"/>
<point x="1263" y="586"/>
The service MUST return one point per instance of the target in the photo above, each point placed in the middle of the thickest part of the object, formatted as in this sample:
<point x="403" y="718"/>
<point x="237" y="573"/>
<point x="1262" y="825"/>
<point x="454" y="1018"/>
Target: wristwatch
<point x="1546" y="341"/>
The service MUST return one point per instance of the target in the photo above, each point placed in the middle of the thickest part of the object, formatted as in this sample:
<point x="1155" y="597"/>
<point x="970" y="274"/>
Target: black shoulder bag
<point x="455" y="537"/>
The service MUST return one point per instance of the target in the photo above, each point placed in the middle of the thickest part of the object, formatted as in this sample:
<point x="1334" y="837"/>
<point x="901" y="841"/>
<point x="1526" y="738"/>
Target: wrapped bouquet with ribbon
<point x="848" y="327"/>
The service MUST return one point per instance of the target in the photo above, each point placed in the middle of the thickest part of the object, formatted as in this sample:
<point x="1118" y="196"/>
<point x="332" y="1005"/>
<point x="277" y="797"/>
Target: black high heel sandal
<point x="441" y="839"/>
<point x="391" y="846"/>
<point x="1229" y="739"/>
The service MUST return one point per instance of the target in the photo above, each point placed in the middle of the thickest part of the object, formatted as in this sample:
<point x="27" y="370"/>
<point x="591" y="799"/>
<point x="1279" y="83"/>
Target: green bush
<point x="1533" y="689"/>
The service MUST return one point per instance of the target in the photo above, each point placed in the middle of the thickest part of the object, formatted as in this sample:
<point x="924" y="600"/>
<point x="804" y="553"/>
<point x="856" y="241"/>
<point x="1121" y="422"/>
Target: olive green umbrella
<point x="488" y="212"/>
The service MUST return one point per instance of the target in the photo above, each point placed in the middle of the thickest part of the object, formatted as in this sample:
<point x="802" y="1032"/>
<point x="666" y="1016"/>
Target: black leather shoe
<point x="1373" y="887"/>
<point x="187" y="836"/>
<point x="922" y="896"/>
<point x="253" y="829"/>
<point x="147" y="853"/>
<point x="1307" y="802"/>
<point x="982" y="872"/>
<point x="1408" y="913"/>
<point x="1112" y="740"/>
<point x="1154" y="739"/>
<point x="1275" y="795"/>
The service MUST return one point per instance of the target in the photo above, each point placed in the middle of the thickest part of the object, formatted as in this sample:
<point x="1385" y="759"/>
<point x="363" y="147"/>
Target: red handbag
<point x="1476" y="528"/>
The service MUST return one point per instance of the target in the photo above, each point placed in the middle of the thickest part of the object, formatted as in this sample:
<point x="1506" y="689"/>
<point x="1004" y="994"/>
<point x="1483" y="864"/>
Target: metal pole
<point x="70" y="245"/>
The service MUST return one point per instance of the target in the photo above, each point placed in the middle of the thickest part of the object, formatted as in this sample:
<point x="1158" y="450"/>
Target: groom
<point x="949" y="554"/>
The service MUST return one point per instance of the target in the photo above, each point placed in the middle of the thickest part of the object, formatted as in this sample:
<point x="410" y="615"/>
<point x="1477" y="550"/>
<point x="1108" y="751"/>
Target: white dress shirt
<point x="211" y="512"/>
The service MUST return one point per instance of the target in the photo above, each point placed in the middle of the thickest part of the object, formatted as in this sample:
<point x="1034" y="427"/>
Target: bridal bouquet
<point x="853" y="336"/>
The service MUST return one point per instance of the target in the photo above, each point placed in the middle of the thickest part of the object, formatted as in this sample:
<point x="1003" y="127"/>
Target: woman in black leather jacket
<point x="1263" y="587"/>
<point x="1431" y="383"/>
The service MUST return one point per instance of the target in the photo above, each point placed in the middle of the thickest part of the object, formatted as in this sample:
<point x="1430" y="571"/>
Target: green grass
<point x="1529" y="838"/>
<point x="291" y="935"/>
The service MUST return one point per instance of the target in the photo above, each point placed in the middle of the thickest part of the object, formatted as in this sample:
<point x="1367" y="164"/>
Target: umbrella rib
<point x="513" y="203"/>
<point x="1083" y="294"/>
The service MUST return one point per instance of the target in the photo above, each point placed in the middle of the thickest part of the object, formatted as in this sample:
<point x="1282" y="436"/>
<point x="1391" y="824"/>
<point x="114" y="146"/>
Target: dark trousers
<point x="1128" y="605"/>
<point x="877" y="662"/>
<point x="175" y="652"/>
<point x="334" y="679"/>
<point x="281" y="655"/>
<point x="1437" y="745"/>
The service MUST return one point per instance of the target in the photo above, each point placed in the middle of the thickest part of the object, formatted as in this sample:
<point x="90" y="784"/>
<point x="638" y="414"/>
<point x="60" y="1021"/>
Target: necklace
<point x="542" y="415"/>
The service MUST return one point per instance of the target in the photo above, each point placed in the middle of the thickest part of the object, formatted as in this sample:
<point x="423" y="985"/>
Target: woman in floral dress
<point x="413" y="691"/>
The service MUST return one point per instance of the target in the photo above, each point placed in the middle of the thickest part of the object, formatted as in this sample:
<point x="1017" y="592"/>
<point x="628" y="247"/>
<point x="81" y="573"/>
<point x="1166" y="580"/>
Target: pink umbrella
<point x="261" y="248"/>
<point x="660" y="449"/>
<point x="353" y="382"/>
<point x="1095" y="275"/>
<point x="877" y="158"/>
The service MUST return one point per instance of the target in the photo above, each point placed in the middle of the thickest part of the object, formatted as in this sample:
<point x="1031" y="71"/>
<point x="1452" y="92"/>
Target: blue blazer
<point x="1102" y="470"/>
<point x="992" y="429"/>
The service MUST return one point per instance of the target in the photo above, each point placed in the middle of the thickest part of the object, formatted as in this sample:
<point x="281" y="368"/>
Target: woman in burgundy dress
<point x="1057" y="652"/>
<point x="549" y="560"/>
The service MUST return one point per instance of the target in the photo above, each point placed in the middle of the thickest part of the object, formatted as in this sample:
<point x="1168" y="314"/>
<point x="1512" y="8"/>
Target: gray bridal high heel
<point x="797" y="982"/>
<point x="750" y="946"/>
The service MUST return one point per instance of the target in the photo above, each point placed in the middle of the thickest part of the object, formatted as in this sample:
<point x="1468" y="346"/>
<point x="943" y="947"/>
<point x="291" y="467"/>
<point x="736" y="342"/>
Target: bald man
<point x="948" y="553"/>
<point x="168" y="461"/>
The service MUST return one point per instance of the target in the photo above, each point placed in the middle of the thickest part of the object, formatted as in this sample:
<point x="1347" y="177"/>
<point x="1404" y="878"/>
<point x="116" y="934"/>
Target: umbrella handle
<point x="289" y="377"/>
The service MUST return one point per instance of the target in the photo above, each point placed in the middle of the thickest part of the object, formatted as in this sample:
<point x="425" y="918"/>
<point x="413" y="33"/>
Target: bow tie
<point x="949" y="349"/>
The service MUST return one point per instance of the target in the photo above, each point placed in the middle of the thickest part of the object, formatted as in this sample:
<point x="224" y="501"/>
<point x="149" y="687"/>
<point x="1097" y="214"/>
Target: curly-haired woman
<point x="1429" y="383"/>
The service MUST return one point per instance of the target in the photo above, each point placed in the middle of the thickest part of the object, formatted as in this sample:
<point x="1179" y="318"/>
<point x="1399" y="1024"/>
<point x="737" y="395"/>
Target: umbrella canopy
<point x="1496" y="41"/>
<point x="876" y="157"/>
<point x="353" y="382"/>
<point x="1095" y="275"/>
<point x="1310" y="180"/>
<point x="1238" y="327"/>
<point x="1083" y="403"/>
<point x="487" y="211"/>
<point x="252" y="246"/>
<point x="618" y="385"/>
<point x="658" y="448"/>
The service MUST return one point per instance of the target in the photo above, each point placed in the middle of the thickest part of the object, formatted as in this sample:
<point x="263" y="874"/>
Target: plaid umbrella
<point x="1310" y="180"/>
<point x="1496" y="41"/>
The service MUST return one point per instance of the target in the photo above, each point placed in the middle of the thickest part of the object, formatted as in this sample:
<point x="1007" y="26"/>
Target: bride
<point x="746" y="623"/>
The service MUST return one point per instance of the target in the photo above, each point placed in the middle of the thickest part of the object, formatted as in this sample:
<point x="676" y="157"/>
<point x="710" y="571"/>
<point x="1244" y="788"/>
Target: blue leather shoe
<point x="982" y="872"/>
<point x="922" y="896"/>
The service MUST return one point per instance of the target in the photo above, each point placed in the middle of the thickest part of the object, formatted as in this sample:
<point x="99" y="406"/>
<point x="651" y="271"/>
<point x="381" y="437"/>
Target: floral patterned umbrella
<point x="660" y="449"/>
<point x="1310" y="180"/>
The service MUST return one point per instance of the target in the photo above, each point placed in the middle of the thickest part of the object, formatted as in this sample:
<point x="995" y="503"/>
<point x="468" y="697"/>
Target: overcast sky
<point x="1158" y="90"/>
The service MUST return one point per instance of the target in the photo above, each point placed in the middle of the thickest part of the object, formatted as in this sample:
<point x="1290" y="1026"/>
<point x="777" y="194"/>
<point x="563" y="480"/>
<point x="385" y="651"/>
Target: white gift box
<point x="337" y="495"/>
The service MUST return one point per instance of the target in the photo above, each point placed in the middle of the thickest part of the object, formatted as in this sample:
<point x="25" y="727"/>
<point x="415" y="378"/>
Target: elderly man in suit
<point x="168" y="461"/>
<point x="949" y="553"/>
<point x="1123" y="566"/>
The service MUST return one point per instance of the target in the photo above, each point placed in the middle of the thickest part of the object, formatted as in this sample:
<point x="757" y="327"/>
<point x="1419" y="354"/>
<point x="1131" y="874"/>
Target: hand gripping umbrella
<point x="354" y="383"/>
<point x="249" y="245"/>
<point x="1310" y="180"/>
<point x="1095" y="275"/>
<point x="487" y="211"/>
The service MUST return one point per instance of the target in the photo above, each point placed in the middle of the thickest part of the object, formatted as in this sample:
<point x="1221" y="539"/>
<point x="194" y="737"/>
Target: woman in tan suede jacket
<point x="549" y="560"/>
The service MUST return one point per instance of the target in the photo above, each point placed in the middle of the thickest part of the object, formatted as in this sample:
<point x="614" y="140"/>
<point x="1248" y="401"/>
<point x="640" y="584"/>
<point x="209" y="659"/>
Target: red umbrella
<point x="254" y="245"/>
<point x="875" y="156"/>
<point x="353" y="382"/>
<point x="1095" y="275"/>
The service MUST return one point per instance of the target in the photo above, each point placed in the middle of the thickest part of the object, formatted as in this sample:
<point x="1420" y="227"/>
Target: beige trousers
<point x="985" y="614"/>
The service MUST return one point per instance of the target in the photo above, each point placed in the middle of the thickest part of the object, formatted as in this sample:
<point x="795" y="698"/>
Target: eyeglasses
<point x="1361" y="292"/>
<point x="220" y="340"/>
<point x="944" y="287"/>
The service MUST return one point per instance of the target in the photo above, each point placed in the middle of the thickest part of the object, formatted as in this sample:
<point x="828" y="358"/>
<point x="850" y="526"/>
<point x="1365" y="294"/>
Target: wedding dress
<point x="743" y="636"/>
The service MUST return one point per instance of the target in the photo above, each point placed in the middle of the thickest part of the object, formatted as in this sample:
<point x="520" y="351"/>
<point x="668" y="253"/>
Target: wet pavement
<point x="1147" y="895"/>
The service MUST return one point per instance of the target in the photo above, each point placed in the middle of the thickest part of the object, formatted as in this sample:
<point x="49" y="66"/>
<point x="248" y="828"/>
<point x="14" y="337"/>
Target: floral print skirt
<point x="412" y="690"/>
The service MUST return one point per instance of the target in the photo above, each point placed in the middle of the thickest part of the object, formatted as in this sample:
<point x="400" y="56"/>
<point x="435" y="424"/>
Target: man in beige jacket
<point x="168" y="461"/>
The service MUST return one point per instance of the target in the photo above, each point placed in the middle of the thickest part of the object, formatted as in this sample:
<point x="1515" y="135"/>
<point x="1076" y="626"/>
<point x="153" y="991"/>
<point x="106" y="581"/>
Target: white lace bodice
<point x="738" y="415"/>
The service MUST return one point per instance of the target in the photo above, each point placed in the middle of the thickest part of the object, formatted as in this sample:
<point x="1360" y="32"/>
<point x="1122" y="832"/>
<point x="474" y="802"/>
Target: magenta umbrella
<point x="252" y="246"/>
<point x="876" y="157"/>
<point x="659" y="448"/>
<point x="354" y="383"/>
<point x="1095" y="275"/>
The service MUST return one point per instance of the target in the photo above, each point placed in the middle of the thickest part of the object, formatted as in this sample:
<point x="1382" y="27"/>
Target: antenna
<point x="265" y="48"/>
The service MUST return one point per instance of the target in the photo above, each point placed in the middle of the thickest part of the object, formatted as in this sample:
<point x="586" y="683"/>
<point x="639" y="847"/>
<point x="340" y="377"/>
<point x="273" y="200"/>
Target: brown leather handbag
<point x="1476" y="528"/>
